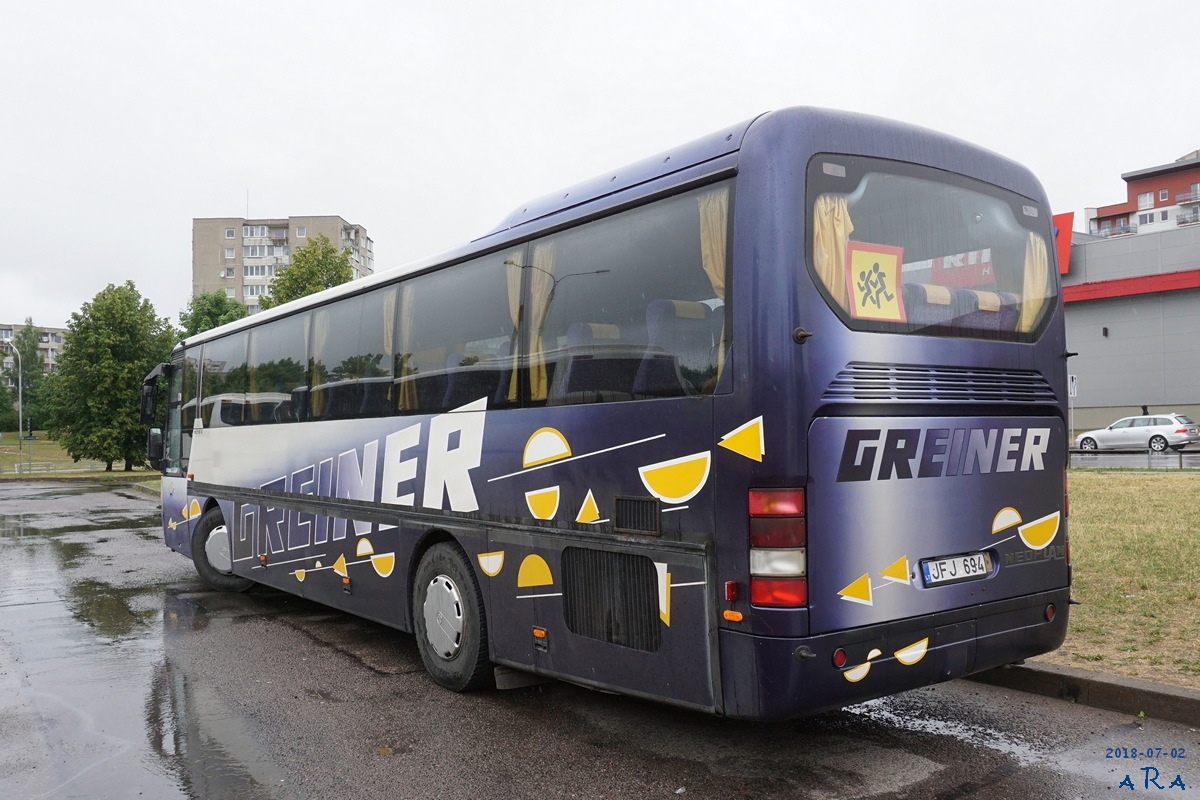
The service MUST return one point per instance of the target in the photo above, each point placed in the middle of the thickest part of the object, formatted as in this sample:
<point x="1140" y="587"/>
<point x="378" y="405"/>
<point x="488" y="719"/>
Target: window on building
<point x="256" y="250"/>
<point x="228" y="252"/>
<point x="1164" y="216"/>
<point x="250" y="231"/>
<point x="1145" y="200"/>
<point x="1145" y="219"/>
<point x="230" y="292"/>
<point x="1162" y="194"/>
<point x="1105" y="227"/>
<point x="301" y="231"/>
<point x="229" y="233"/>
<point x="255" y="290"/>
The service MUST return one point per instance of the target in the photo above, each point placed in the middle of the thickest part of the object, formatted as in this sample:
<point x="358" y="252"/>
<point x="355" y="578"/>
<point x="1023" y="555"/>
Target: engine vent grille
<point x="612" y="597"/>
<point x="862" y="382"/>
<point x="638" y="515"/>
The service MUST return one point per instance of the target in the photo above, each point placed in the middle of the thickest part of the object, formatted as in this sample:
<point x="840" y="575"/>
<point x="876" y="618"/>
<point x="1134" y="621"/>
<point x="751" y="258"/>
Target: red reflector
<point x="1050" y="612"/>
<point x="779" y="592"/>
<point x="778" y="532"/>
<point x="840" y="658"/>
<point x="776" y="502"/>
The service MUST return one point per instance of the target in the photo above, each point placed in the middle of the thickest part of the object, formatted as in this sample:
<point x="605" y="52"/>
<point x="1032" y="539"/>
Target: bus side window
<point x="351" y="357"/>
<point x="278" y="358"/>
<point x="224" y="381"/>
<point x="455" y="332"/>
<point x="653" y="281"/>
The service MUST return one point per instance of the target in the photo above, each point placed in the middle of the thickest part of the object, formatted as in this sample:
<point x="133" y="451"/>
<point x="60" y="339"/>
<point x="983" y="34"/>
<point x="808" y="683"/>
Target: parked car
<point x="1155" y="431"/>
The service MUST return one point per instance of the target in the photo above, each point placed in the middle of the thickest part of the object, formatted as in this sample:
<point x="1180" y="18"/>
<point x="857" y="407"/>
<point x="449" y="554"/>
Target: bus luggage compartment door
<point x="916" y="515"/>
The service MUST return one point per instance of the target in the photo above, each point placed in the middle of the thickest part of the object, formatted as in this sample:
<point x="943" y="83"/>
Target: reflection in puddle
<point x="201" y="739"/>
<point x="107" y="608"/>
<point x="93" y="703"/>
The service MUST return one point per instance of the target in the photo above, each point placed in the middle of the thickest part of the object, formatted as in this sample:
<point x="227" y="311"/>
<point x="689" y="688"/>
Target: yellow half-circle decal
<point x="383" y="563"/>
<point x="678" y="480"/>
<point x="589" y="512"/>
<point x="192" y="511"/>
<point x="543" y="503"/>
<point x="491" y="563"/>
<point x="299" y="575"/>
<point x="857" y="673"/>
<point x="1041" y="532"/>
<point x="746" y="440"/>
<point x="913" y="653"/>
<point x="364" y="548"/>
<point x="544" y="446"/>
<point x="1005" y="518"/>
<point x="859" y="591"/>
<point x="534" y="571"/>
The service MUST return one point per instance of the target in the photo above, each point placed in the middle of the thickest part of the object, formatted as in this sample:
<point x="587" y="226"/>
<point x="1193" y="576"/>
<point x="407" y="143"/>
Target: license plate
<point x="955" y="569"/>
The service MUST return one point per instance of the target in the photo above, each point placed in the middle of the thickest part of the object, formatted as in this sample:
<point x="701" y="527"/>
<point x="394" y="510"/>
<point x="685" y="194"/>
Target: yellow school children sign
<point x="873" y="277"/>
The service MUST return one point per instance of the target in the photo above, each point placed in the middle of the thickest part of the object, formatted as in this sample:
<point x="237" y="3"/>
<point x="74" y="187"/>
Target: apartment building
<point x="50" y="344"/>
<point x="240" y="256"/>
<point x="1157" y="199"/>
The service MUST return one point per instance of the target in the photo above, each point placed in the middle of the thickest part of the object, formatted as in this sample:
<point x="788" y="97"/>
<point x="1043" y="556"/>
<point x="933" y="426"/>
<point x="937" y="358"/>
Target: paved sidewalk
<point x="1111" y="692"/>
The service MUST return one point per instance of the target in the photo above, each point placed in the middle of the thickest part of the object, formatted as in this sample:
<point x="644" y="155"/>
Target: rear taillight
<point x="778" y="548"/>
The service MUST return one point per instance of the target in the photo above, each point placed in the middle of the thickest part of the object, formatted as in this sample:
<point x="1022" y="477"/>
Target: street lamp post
<point x="20" y="401"/>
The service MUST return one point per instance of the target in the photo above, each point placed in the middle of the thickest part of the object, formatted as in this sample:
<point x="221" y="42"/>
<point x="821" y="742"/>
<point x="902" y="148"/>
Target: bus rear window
<point x="904" y="249"/>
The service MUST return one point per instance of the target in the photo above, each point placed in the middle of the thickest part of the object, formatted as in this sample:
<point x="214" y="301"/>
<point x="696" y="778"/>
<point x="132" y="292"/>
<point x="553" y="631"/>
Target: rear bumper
<point x="780" y="678"/>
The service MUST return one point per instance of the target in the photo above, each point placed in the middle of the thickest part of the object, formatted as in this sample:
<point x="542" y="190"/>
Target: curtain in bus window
<point x="316" y="372"/>
<point x="541" y="292"/>
<point x="1037" y="272"/>
<point x="406" y="397"/>
<point x="513" y="283"/>
<point x="831" y="235"/>
<point x="714" y="230"/>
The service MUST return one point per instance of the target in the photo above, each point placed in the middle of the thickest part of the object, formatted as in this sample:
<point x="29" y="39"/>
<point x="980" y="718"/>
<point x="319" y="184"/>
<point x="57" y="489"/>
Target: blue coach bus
<point x="768" y="424"/>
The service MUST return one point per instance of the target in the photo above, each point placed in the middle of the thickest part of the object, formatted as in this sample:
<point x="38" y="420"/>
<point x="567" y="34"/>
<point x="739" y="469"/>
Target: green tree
<point x="32" y="366"/>
<point x="8" y="408"/>
<point x="207" y="311"/>
<point x="315" y="266"/>
<point x="92" y="396"/>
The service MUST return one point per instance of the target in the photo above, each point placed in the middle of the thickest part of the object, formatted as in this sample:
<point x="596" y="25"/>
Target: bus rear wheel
<point x="448" y="620"/>
<point x="210" y="554"/>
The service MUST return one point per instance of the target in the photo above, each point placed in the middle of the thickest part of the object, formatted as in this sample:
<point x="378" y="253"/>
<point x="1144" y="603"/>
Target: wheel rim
<point x="216" y="550"/>
<point x="1087" y="444"/>
<point x="443" y="612"/>
<point x="1158" y="444"/>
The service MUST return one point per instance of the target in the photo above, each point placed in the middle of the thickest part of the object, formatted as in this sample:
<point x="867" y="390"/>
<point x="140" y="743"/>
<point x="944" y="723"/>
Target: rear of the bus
<point x="923" y="448"/>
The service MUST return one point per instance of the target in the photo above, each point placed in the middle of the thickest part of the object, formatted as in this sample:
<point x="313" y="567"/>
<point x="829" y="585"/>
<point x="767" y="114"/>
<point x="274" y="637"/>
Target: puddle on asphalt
<point x="110" y="712"/>
<point x="107" y="609"/>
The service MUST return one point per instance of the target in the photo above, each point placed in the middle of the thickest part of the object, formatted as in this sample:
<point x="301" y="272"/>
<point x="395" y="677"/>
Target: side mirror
<point x="154" y="448"/>
<point x="149" y="405"/>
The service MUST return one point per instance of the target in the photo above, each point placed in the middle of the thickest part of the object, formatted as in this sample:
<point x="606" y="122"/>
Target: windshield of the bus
<point x="905" y="249"/>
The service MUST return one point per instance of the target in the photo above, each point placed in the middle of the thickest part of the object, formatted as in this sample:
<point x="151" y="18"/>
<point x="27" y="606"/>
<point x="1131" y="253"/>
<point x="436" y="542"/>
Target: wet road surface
<point x="121" y="676"/>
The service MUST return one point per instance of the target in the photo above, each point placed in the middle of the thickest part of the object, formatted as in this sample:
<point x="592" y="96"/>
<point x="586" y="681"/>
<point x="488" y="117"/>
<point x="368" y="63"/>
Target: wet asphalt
<point x="123" y="676"/>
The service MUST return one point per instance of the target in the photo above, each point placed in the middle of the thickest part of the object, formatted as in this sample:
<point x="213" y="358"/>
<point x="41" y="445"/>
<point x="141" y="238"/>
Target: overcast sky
<point x="427" y="122"/>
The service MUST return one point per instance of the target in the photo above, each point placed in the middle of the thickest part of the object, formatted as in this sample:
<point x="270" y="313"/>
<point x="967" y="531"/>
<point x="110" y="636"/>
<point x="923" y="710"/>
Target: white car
<point x="1154" y="431"/>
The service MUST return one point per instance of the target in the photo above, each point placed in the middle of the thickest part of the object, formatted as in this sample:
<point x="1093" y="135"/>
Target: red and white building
<point x="1132" y="291"/>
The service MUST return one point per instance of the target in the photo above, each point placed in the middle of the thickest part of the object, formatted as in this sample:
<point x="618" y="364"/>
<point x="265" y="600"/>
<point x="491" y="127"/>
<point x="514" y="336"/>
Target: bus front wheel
<point x="210" y="542"/>
<point x="448" y="620"/>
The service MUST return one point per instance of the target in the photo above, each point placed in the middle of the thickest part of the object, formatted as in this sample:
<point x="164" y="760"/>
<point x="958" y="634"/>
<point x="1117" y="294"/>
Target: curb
<point x="1110" y="692"/>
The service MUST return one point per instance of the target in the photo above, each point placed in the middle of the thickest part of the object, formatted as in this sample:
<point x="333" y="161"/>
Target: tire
<point x="1088" y="444"/>
<point x="212" y="526"/>
<point x="449" y="621"/>
<point x="1158" y="444"/>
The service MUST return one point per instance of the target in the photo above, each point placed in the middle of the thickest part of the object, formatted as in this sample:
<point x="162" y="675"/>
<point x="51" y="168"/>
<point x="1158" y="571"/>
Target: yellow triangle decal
<point x="897" y="571"/>
<point x="747" y="440"/>
<point x="339" y="566"/>
<point x="590" y="512"/>
<point x="859" y="591"/>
